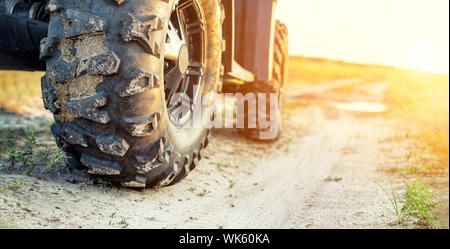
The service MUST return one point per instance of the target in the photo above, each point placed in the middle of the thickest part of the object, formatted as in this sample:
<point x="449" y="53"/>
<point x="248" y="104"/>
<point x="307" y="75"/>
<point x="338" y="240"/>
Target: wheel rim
<point x="183" y="61"/>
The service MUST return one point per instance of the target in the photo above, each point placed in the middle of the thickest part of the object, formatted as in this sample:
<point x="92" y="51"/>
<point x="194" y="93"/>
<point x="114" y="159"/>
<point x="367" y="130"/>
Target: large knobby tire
<point x="105" y="86"/>
<point x="277" y="85"/>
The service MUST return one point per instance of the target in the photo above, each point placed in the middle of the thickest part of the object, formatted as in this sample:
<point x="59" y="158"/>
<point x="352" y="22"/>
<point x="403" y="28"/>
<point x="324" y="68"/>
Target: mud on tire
<point x="105" y="86"/>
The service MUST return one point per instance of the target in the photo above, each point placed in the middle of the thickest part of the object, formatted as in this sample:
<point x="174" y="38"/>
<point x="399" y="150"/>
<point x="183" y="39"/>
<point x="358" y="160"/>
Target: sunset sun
<point x="401" y="33"/>
<point x="425" y="57"/>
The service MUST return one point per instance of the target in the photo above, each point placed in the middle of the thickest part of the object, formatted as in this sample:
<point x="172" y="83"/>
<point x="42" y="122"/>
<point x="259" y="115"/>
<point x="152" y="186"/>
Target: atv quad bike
<point x="114" y="67"/>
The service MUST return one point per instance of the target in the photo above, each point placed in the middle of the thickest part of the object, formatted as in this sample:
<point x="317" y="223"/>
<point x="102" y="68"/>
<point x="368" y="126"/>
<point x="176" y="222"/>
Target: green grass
<point x="13" y="187"/>
<point x="203" y="193"/>
<point x="27" y="156"/>
<point x="398" y="211"/>
<point x="124" y="223"/>
<point x="419" y="207"/>
<point x="59" y="159"/>
<point x="419" y="204"/>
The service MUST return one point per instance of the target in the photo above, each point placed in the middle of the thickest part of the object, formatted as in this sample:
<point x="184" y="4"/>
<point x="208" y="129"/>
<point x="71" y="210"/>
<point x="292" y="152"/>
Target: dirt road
<point x="323" y="173"/>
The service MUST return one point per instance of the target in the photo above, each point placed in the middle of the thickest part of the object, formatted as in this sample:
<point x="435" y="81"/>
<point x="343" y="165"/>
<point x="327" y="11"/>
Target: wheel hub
<point x="183" y="59"/>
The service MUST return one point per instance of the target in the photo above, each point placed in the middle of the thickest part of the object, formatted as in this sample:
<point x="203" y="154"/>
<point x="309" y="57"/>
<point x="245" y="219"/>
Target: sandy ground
<point x="324" y="172"/>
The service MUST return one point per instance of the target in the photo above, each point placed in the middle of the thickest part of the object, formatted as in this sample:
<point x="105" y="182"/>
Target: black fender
<point x="249" y="29"/>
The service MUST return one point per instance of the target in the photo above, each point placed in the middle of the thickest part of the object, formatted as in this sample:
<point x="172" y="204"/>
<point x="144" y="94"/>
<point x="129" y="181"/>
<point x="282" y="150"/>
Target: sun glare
<point x="424" y="57"/>
<point x="410" y="34"/>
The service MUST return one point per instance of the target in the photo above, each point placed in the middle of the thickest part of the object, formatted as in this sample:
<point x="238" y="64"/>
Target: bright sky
<point x="402" y="33"/>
